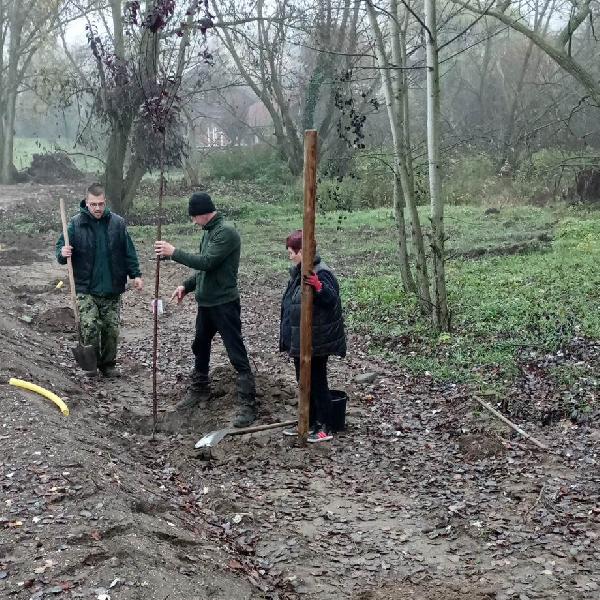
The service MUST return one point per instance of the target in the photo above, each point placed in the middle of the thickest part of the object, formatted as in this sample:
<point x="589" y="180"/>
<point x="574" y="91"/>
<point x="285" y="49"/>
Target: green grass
<point x="500" y="306"/>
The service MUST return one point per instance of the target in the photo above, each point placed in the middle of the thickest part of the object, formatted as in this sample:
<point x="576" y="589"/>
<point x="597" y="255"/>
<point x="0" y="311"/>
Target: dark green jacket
<point x="216" y="264"/>
<point x="103" y="253"/>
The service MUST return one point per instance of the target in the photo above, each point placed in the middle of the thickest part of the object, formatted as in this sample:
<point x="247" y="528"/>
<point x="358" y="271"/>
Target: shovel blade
<point x="213" y="438"/>
<point x="85" y="357"/>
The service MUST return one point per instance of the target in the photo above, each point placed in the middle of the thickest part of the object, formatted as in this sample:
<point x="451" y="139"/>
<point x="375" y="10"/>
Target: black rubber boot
<point x="110" y="371"/>
<point x="198" y="393"/>
<point x="246" y="414"/>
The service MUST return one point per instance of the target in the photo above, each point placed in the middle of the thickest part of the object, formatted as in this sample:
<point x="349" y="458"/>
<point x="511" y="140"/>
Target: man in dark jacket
<point x="103" y="256"/>
<point x="218" y="298"/>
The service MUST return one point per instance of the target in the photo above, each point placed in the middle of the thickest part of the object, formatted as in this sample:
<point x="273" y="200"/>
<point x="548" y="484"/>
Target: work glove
<point x="313" y="281"/>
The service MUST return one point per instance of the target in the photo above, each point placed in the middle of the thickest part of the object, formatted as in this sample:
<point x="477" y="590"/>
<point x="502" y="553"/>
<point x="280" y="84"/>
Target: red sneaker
<point x="319" y="436"/>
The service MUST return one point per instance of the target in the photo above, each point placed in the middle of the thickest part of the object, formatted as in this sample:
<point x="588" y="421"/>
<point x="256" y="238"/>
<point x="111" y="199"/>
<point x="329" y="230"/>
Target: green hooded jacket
<point x="103" y="253"/>
<point x="216" y="264"/>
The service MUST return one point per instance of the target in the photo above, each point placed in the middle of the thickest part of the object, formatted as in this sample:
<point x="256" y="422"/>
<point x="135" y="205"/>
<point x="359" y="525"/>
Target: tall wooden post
<point x="308" y="258"/>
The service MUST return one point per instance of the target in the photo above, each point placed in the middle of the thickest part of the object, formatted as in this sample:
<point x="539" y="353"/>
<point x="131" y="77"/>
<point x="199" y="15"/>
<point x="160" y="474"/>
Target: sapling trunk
<point x="157" y="288"/>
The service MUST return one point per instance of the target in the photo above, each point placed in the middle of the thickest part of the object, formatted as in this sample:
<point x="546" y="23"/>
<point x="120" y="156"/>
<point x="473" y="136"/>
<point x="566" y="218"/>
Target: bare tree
<point x="140" y="56"/>
<point x="392" y="66"/>
<point x="25" y="27"/>
<point x="556" y="44"/>
<point x="294" y="59"/>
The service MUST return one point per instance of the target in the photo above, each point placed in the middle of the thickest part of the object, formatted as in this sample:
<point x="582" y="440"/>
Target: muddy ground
<point x="424" y="496"/>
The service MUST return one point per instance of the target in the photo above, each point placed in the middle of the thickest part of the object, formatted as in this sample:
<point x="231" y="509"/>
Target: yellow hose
<point x="26" y="385"/>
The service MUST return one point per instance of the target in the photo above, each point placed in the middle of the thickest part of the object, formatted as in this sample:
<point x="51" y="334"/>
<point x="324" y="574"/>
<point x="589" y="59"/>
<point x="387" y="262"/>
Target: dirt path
<point x="422" y="497"/>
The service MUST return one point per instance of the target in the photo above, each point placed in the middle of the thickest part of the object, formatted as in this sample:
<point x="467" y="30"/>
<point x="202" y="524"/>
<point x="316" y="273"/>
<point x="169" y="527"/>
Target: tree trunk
<point x="116" y="153"/>
<point x="190" y="166"/>
<point x="313" y="91"/>
<point x="7" y="169"/>
<point x="399" y="90"/>
<point x="440" y="314"/>
<point x="136" y="171"/>
<point x="506" y="154"/>
<point x="191" y="162"/>
<point x="408" y="282"/>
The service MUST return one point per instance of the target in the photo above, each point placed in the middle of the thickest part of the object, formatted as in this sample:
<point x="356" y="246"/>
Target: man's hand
<point x="163" y="248"/>
<point x="179" y="293"/>
<point x="313" y="281"/>
<point x="66" y="251"/>
<point x="138" y="284"/>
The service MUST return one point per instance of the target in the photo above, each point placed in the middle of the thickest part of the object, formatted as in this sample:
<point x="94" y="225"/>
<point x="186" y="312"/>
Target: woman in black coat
<point x="329" y="337"/>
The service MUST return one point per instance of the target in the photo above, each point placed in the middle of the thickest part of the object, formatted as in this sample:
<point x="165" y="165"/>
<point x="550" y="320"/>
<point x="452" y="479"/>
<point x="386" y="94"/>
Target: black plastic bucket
<point x="339" y="400"/>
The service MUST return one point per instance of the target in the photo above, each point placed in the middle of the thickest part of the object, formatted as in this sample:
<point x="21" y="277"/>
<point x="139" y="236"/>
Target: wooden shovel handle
<point x="256" y="428"/>
<point x="63" y="217"/>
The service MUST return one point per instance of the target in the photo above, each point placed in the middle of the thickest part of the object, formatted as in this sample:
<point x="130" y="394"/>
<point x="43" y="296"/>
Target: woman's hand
<point x="314" y="282"/>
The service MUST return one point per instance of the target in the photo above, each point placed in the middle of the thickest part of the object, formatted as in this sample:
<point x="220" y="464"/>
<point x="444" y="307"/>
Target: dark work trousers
<point x="225" y="320"/>
<point x="320" y="398"/>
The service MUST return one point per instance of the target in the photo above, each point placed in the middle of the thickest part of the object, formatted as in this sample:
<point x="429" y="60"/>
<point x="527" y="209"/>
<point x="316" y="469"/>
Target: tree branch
<point x="555" y="52"/>
<point x="574" y="22"/>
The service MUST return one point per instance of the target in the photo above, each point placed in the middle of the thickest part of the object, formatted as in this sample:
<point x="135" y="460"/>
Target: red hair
<point x="294" y="241"/>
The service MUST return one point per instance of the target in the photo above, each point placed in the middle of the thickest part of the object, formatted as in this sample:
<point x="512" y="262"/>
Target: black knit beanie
<point x="200" y="204"/>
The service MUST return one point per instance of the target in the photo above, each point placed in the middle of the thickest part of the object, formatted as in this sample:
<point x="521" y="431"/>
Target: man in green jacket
<point x="103" y="256"/>
<point x="218" y="298"/>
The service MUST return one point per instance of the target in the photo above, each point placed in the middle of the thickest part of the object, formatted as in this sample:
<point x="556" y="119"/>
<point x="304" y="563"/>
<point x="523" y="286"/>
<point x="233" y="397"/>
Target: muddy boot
<point x="197" y="394"/>
<point x="246" y="414"/>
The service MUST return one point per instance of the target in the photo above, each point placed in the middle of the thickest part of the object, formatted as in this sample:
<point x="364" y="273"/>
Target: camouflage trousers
<point x="100" y="319"/>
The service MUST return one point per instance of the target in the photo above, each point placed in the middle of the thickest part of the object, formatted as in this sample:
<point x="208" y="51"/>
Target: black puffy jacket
<point x="329" y="336"/>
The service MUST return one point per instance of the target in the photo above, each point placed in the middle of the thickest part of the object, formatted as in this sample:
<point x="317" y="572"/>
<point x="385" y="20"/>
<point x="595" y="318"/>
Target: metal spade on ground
<point x="210" y="440"/>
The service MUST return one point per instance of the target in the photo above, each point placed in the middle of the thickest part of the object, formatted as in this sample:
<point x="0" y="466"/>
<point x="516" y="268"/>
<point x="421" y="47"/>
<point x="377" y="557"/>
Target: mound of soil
<point x="53" y="168"/>
<point x="478" y="446"/>
<point x="56" y="320"/>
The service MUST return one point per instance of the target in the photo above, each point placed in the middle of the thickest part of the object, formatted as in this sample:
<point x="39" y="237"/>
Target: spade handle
<point x="63" y="217"/>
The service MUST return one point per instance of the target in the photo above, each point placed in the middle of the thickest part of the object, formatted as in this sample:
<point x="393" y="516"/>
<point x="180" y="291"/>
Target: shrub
<point x="260" y="164"/>
<point x="369" y="184"/>
<point x="550" y="170"/>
